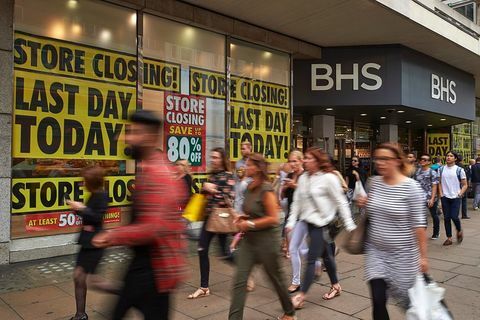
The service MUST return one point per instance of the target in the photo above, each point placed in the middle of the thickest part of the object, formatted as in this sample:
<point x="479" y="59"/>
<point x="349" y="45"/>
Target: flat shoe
<point x="298" y="302"/>
<point x="200" y="293"/>
<point x="460" y="236"/>
<point x="293" y="288"/>
<point x="447" y="242"/>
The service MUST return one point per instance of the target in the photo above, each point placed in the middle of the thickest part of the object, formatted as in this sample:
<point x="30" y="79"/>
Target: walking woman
<point x="220" y="185"/>
<point x="396" y="247"/>
<point x="295" y="160"/>
<point x="318" y="197"/>
<point x="92" y="216"/>
<point x="261" y="239"/>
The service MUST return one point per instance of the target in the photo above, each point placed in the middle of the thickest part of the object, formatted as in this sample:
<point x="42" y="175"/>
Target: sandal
<point x="334" y="292"/>
<point x="298" y="302"/>
<point x="459" y="236"/>
<point x="200" y="293"/>
<point x="293" y="288"/>
<point x="285" y="317"/>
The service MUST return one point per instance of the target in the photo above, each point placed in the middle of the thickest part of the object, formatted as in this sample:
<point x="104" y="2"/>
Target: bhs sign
<point x="326" y="76"/>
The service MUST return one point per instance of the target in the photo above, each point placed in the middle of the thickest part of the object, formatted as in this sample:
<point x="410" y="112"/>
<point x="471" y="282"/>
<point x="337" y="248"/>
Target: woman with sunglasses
<point x="354" y="173"/>
<point x="396" y="245"/>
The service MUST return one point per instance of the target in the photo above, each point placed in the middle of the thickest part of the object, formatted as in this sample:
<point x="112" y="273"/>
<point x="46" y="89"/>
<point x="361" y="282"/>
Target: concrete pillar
<point x="388" y="133"/>
<point x="6" y="99"/>
<point x="323" y="130"/>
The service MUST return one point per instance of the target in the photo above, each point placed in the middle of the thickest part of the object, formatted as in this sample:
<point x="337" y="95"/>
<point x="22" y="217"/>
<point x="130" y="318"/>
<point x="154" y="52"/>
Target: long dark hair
<point x="323" y="159"/>
<point x="223" y="155"/>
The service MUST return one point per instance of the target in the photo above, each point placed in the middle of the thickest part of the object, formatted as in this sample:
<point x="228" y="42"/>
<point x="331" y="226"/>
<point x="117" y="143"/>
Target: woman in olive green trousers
<point x="261" y="240"/>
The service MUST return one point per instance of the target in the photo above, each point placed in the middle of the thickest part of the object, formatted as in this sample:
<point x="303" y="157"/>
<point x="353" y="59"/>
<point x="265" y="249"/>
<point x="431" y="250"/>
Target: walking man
<point x="156" y="230"/>
<point x="245" y="150"/>
<point x="476" y="183"/>
<point x="428" y="179"/>
<point x="453" y="185"/>
<point x="464" y="198"/>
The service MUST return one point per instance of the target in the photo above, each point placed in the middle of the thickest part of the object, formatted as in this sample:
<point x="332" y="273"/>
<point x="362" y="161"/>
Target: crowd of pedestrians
<point x="291" y="215"/>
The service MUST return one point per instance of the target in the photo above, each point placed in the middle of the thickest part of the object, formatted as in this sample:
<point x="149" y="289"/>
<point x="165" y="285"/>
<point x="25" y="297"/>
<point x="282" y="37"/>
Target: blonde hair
<point x="296" y="153"/>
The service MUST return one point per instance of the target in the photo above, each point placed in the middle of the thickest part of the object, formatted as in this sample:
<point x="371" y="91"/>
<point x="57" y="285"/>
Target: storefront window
<point x="184" y="80"/>
<point x="74" y="87"/>
<point x="259" y="101"/>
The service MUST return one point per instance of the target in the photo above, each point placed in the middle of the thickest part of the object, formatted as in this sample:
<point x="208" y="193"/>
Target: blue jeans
<point x="476" y="199"/>
<point x="451" y="209"/>
<point x="436" y="220"/>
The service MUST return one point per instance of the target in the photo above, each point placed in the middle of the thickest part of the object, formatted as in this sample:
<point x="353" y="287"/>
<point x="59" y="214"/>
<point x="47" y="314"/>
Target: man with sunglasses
<point x="428" y="180"/>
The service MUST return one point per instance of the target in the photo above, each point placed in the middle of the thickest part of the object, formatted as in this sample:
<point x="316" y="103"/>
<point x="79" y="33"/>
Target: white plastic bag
<point x="359" y="191"/>
<point x="426" y="301"/>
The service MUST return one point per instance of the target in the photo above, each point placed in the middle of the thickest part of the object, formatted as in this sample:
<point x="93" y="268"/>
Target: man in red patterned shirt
<point x="156" y="232"/>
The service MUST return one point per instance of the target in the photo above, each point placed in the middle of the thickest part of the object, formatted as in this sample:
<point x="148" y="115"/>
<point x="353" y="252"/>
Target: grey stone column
<point x="388" y="133"/>
<point x="323" y="130"/>
<point x="6" y="99"/>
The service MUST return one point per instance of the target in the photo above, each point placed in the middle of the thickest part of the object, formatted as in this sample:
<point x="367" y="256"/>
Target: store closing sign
<point x="438" y="144"/>
<point x="260" y="112"/>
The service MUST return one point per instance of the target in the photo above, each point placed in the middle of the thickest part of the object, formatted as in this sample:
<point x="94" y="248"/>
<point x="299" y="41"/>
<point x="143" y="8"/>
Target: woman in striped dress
<point x="396" y="248"/>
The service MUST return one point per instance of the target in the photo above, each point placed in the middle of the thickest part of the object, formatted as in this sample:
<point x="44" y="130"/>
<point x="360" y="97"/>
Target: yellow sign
<point x="161" y="75"/>
<point x="70" y="118"/>
<point x="49" y="194"/>
<point x="213" y="85"/>
<point x="267" y="128"/>
<point x="45" y="55"/>
<point x="438" y="144"/>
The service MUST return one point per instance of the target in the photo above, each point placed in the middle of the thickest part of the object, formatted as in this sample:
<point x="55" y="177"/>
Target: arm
<point x="271" y="214"/>
<point x="434" y="193"/>
<point x="464" y="188"/>
<point x="336" y="194"/>
<point x="421" y="234"/>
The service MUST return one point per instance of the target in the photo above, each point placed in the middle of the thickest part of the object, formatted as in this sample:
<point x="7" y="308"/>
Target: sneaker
<point x="434" y="237"/>
<point x="475" y="208"/>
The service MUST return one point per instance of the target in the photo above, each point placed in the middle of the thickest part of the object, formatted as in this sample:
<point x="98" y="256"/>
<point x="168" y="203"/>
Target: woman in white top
<point x="316" y="200"/>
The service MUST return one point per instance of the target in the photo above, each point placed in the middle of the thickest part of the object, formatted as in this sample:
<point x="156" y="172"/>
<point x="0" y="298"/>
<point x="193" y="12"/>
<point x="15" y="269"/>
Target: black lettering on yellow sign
<point x="266" y="128"/>
<point x="48" y="194"/>
<point x="161" y="75"/>
<point x="207" y="83"/>
<point x="69" y="119"/>
<point x="46" y="55"/>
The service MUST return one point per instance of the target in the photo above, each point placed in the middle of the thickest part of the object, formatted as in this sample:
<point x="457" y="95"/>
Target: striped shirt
<point x="394" y="211"/>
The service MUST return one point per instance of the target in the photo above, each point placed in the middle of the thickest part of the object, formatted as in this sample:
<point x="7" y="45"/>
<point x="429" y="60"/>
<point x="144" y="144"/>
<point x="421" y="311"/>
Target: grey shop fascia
<point x="372" y="79"/>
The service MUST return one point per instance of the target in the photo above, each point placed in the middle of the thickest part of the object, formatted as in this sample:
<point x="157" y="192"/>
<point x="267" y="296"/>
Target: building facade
<point x="278" y="74"/>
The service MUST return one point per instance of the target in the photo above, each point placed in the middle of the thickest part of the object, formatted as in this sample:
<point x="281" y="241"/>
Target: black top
<point x="351" y="178"/>
<point x="288" y="192"/>
<point x="92" y="215"/>
<point x="475" y="173"/>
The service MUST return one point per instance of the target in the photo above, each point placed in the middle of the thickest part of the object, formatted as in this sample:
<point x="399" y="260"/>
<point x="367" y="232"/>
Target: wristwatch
<point x="251" y="224"/>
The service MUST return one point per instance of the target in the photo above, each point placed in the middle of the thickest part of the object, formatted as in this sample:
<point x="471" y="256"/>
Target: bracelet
<point x="251" y="224"/>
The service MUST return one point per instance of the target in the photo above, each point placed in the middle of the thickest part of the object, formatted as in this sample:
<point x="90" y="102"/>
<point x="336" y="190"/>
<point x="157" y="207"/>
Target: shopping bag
<point x="359" y="191"/>
<point x="195" y="209"/>
<point x="426" y="301"/>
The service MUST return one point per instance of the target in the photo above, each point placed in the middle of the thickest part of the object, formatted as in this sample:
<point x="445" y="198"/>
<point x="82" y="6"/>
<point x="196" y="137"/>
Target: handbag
<point x="221" y="220"/>
<point x="195" y="209"/>
<point x="426" y="301"/>
<point x="355" y="240"/>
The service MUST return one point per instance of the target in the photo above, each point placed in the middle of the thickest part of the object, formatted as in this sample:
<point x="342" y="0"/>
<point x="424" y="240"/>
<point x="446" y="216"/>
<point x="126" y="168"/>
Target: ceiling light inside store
<point x="57" y="30"/>
<point x="443" y="119"/>
<point x="363" y="114"/>
<point x="267" y="54"/>
<point x="429" y="125"/>
<point x="400" y="111"/>
<point x="383" y="118"/>
<point x="105" y="35"/>
<point x="408" y="121"/>
<point x="72" y="4"/>
<point x="76" y="29"/>
<point x="329" y="109"/>
<point x="188" y="33"/>
<point x="133" y="19"/>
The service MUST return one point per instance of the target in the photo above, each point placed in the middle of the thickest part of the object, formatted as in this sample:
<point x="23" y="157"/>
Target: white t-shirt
<point x="450" y="184"/>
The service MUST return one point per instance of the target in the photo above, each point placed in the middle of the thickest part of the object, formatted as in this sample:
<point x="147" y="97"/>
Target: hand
<point x="430" y="203"/>
<point x="361" y="202"/>
<point x="210" y="187"/>
<point x="75" y="205"/>
<point x="240" y="217"/>
<point x="243" y="225"/>
<point x="424" y="265"/>
<point x="289" y="183"/>
<point x="288" y="230"/>
<point x="101" y="240"/>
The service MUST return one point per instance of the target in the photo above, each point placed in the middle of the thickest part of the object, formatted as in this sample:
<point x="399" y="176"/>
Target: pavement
<point x="43" y="289"/>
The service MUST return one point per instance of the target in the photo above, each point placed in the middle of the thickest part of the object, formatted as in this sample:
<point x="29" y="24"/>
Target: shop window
<point x="184" y="80"/>
<point x="74" y="87"/>
<point x="259" y="101"/>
